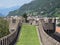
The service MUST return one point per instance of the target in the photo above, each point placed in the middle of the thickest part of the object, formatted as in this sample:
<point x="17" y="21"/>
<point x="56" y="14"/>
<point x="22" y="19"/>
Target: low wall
<point x="9" y="38"/>
<point x="45" y="38"/>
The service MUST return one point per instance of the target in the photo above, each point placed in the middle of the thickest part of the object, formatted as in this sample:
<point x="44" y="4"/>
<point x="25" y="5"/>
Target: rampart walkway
<point x="28" y="35"/>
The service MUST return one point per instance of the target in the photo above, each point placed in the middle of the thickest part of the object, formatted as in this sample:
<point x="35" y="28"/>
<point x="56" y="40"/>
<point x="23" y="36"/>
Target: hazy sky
<point x="11" y="3"/>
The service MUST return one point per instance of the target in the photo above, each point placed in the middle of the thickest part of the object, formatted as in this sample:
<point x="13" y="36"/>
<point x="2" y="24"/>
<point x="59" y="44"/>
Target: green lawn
<point x="28" y="36"/>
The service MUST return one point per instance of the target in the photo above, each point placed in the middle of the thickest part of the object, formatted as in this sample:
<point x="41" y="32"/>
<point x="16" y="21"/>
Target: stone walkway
<point x="38" y="35"/>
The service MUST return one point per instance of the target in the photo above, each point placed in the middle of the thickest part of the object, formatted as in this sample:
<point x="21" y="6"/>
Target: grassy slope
<point x="28" y="35"/>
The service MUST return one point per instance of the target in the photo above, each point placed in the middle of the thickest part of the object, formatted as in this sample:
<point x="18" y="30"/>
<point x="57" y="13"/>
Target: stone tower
<point x="49" y="25"/>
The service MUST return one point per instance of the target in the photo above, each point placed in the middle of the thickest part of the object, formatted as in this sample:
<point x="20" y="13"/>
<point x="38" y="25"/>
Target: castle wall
<point x="45" y="38"/>
<point x="6" y="40"/>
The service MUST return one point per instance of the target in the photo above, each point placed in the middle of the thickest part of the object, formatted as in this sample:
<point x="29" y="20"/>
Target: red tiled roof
<point x="58" y="29"/>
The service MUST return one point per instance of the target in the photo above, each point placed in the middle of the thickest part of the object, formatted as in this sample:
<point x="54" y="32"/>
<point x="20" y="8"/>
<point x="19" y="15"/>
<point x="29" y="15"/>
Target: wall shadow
<point x="54" y="35"/>
<point x="15" y="40"/>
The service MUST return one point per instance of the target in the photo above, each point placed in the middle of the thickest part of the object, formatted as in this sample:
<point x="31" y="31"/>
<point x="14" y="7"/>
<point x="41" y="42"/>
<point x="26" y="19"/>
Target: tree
<point x="4" y="28"/>
<point x="25" y="16"/>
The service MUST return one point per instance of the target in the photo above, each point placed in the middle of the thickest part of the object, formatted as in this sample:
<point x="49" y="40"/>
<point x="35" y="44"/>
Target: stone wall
<point x="45" y="38"/>
<point x="6" y="40"/>
<point x="9" y="38"/>
<point x="49" y="27"/>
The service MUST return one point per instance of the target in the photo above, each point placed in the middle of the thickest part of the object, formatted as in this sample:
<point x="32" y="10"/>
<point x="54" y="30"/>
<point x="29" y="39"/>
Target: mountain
<point x="1" y="15"/>
<point x="42" y="7"/>
<point x="5" y="11"/>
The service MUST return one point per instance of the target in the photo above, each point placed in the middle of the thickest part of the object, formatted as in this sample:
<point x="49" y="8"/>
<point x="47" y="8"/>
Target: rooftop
<point x="58" y="29"/>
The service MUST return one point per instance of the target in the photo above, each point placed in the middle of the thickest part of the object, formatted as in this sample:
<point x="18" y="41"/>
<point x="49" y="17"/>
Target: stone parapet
<point x="45" y="38"/>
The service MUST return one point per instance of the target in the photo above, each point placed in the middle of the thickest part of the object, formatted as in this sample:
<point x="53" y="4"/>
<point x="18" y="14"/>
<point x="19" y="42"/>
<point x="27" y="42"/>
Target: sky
<point x="11" y="3"/>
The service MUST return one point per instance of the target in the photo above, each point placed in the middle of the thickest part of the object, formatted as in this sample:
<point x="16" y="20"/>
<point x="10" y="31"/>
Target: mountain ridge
<point x="5" y="11"/>
<point x="1" y="15"/>
<point x="47" y="6"/>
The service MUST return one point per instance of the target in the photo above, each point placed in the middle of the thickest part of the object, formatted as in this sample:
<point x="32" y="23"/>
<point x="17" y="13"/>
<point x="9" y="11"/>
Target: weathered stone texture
<point x="45" y="38"/>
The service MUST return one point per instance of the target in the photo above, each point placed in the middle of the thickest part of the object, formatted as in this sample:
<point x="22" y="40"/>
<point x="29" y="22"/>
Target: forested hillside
<point x="42" y="7"/>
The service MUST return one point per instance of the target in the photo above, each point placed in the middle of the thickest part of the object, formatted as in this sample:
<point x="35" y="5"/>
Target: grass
<point x="28" y="36"/>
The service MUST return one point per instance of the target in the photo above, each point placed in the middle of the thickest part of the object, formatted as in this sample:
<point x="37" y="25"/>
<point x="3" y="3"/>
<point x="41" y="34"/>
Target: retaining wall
<point x="45" y="38"/>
